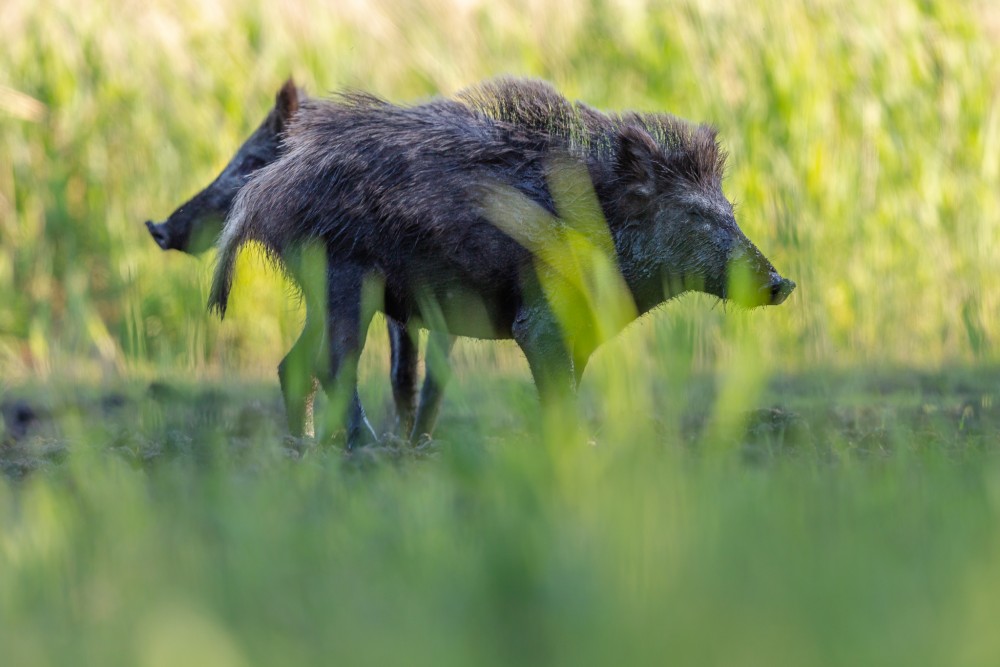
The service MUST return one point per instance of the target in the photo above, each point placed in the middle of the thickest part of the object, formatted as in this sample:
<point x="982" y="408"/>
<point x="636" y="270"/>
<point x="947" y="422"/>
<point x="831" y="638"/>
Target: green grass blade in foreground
<point x="575" y="263"/>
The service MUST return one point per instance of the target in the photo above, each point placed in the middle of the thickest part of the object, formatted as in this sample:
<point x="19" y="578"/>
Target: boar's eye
<point x="696" y="216"/>
<point x="251" y="163"/>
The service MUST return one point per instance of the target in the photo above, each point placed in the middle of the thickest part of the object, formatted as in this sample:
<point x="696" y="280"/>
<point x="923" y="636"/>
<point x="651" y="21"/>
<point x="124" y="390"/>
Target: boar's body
<point x="392" y="189"/>
<point x="401" y="195"/>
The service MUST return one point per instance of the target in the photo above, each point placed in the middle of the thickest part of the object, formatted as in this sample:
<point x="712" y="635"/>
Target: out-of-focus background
<point x="864" y="143"/>
<point x="812" y="484"/>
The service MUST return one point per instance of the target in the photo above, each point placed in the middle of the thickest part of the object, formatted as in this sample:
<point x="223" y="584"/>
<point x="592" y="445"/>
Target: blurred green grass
<point x="853" y="520"/>
<point x="173" y="525"/>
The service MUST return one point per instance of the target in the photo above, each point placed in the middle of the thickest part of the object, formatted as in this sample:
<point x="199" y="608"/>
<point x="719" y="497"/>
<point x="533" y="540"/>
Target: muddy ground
<point x="827" y="417"/>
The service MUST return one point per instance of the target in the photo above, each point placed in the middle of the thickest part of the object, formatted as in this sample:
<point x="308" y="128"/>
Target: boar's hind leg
<point x="404" y="375"/>
<point x="438" y="373"/>
<point x="541" y="339"/>
<point x="346" y="327"/>
<point x="296" y="374"/>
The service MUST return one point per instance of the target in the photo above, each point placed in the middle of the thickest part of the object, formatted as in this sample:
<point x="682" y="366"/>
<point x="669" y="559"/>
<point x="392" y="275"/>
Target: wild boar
<point x="194" y="227"/>
<point x="399" y="198"/>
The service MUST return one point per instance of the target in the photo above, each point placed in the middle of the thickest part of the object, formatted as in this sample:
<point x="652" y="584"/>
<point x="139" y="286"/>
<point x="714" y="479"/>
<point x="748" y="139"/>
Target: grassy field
<point x="816" y="483"/>
<point x="174" y="524"/>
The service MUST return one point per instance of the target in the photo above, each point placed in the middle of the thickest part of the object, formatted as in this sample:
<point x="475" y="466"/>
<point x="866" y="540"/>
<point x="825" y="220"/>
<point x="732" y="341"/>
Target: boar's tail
<point x="234" y="235"/>
<point x="222" y="280"/>
<point x="242" y="226"/>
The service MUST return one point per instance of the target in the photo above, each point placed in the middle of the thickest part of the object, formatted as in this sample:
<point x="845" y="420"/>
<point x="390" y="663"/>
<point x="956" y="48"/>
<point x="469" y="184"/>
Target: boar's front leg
<point x="347" y="326"/>
<point x="436" y="376"/>
<point x="540" y="337"/>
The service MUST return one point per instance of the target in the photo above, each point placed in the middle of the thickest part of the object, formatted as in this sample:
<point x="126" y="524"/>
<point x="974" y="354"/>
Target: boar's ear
<point x="636" y="152"/>
<point x="286" y="103"/>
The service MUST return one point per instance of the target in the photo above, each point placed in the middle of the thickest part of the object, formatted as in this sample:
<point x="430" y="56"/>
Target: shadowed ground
<point x="826" y="417"/>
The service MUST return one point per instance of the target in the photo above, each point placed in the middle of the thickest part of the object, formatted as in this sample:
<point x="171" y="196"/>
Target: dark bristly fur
<point x="500" y="127"/>
<point x="400" y="194"/>
<point x="536" y="105"/>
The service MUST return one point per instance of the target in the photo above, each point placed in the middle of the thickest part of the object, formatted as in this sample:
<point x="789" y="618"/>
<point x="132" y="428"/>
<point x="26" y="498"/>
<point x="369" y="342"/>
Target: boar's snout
<point x="159" y="233"/>
<point x="751" y="280"/>
<point x="780" y="288"/>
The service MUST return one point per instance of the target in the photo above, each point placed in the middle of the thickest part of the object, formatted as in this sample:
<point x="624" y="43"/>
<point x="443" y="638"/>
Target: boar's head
<point x="193" y="227"/>
<point x="677" y="230"/>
